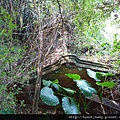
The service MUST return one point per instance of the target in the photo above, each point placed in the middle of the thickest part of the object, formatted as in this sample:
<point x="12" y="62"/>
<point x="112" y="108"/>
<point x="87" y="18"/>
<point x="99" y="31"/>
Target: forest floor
<point x="113" y="95"/>
<point x="110" y="94"/>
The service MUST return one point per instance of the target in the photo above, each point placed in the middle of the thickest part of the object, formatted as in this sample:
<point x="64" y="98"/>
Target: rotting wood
<point x="78" y="63"/>
<point x="105" y="101"/>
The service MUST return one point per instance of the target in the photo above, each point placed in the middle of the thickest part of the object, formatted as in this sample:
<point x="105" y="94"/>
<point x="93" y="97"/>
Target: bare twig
<point x="60" y="11"/>
<point x="18" y="74"/>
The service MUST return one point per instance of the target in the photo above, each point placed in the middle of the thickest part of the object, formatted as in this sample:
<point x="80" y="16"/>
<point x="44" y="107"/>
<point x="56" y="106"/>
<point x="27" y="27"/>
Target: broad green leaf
<point x="92" y="74"/>
<point x="85" y="88"/>
<point x="70" y="106"/>
<point x="48" y="97"/>
<point x="46" y="83"/>
<point x="7" y="111"/>
<point x="109" y="84"/>
<point x="73" y="76"/>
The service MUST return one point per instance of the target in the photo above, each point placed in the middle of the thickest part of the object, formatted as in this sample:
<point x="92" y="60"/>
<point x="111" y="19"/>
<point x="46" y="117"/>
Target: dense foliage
<point x="24" y="24"/>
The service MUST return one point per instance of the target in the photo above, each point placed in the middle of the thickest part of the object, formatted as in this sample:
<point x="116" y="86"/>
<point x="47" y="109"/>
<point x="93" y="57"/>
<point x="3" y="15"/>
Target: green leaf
<point x="101" y="75"/>
<point x="55" y="81"/>
<point x="92" y="74"/>
<point x="67" y="90"/>
<point x="70" y="106"/>
<point x="46" y="83"/>
<point x="48" y="97"/>
<point x="73" y="76"/>
<point x="85" y="88"/>
<point x="63" y="89"/>
<point x="7" y="111"/>
<point x="108" y="75"/>
<point x="3" y="32"/>
<point x="109" y="84"/>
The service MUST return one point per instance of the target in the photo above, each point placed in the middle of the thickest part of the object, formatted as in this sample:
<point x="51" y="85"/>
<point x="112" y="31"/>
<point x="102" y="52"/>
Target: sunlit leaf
<point x="55" y="81"/>
<point x="92" y="74"/>
<point x="70" y="106"/>
<point x="108" y="75"/>
<point x="73" y="76"/>
<point x="109" y="84"/>
<point x="85" y="88"/>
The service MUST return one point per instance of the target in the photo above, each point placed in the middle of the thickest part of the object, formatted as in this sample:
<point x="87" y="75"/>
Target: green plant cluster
<point x="49" y="93"/>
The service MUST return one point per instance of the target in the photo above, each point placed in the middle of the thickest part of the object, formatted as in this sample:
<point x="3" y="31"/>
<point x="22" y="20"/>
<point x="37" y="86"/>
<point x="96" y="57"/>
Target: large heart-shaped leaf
<point x="92" y="74"/>
<point x="85" y="88"/>
<point x="73" y="76"/>
<point x="70" y="106"/>
<point x="109" y="84"/>
<point x="48" y="97"/>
